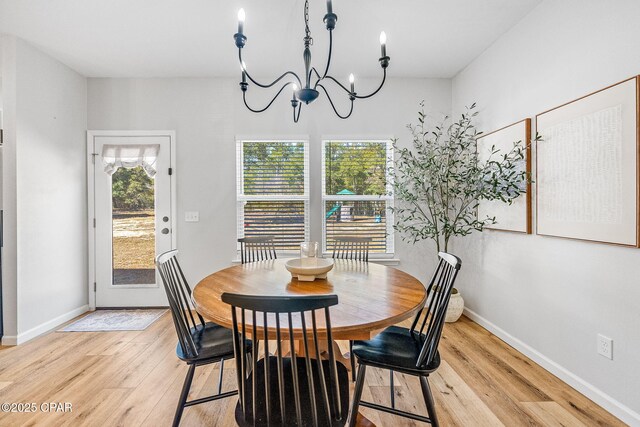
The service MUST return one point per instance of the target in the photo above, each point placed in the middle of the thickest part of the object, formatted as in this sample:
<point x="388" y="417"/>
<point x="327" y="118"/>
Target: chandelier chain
<point x="308" y="40"/>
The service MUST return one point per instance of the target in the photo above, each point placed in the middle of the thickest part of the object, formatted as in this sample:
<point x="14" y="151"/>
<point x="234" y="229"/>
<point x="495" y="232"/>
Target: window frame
<point x="388" y="197"/>
<point x="242" y="198"/>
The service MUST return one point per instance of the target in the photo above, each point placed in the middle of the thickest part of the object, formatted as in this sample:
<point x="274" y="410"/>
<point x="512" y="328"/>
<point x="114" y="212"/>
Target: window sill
<point x="383" y="261"/>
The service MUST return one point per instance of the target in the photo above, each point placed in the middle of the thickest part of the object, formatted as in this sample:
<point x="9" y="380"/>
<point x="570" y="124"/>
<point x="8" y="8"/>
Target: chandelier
<point x="304" y="90"/>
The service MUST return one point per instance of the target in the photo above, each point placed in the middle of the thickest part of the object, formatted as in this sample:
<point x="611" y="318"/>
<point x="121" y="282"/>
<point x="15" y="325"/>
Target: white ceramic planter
<point x="455" y="308"/>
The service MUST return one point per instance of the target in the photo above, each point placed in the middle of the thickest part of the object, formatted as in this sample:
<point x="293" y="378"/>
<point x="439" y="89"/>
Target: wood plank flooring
<point x="134" y="379"/>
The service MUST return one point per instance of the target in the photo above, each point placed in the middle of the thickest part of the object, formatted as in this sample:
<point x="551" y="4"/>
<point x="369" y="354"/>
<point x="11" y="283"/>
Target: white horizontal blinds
<point x="356" y="193"/>
<point x="283" y="219"/>
<point x="274" y="168"/>
<point x="357" y="219"/>
<point x="273" y="191"/>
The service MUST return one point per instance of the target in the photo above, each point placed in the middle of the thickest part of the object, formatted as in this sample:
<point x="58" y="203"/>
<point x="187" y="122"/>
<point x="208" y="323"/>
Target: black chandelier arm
<point x="314" y="71"/>
<point x="338" y="83"/>
<point x="384" y="78"/>
<point x="326" y="69"/>
<point x="333" y="106"/>
<point x="297" y="117"/>
<point x="244" y="98"/>
<point x="272" y="83"/>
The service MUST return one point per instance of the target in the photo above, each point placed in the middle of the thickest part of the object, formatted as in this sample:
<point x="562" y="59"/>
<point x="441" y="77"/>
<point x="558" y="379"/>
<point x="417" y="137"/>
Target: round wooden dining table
<point x="371" y="296"/>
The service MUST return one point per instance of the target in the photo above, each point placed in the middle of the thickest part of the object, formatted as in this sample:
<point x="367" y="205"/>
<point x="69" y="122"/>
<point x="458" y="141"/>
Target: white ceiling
<point x="193" y="38"/>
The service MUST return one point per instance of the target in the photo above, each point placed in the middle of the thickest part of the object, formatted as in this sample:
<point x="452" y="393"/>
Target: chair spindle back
<point x="258" y="248"/>
<point x="351" y="247"/>
<point x="179" y="296"/>
<point x="282" y="313"/>
<point x="434" y="311"/>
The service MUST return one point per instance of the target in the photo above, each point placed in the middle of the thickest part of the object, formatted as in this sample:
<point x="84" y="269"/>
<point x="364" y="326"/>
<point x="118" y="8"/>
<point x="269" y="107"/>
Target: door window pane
<point x="133" y="233"/>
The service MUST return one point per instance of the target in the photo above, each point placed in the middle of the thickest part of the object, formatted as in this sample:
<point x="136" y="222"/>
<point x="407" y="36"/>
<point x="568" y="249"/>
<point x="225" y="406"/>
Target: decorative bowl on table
<point x="309" y="269"/>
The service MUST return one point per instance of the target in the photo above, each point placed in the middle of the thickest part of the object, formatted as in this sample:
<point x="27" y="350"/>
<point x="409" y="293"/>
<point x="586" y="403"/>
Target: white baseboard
<point x="43" y="327"/>
<point x="9" y="340"/>
<point x="623" y="412"/>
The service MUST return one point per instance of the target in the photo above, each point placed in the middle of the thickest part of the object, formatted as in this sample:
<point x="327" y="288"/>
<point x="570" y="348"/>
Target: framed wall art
<point x="587" y="167"/>
<point x="517" y="215"/>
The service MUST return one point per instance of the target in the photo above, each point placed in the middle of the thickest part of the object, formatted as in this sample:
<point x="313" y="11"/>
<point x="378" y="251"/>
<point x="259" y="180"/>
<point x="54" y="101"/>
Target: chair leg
<point x="220" y="379"/>
<point x="353" y="361"/>
<point x="392" y="390"/>
<point x="428" y="400"/>
<point x="183" y="396"/>
<point x="357" y="394"/>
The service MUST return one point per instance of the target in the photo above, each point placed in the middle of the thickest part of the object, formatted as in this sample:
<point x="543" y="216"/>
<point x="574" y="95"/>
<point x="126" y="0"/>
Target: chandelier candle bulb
<point x="352" y="81"/>
<point x="241" y="17"/>
<point x="294" y="100"/>
<point x="383" y="44"/>
<point x="329" y="7"/>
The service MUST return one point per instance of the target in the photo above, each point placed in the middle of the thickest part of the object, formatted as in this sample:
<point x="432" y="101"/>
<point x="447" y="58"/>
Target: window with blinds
<point x="273" y="191"/>
<point x="356" y="193"/>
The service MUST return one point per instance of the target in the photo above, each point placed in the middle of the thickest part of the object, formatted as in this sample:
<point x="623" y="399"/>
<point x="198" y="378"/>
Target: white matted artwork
<point x="587" y="167"/>
<point x="517" y="215"/>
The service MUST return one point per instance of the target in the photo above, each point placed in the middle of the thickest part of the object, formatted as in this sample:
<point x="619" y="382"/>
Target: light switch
<point x="192" y="216"/>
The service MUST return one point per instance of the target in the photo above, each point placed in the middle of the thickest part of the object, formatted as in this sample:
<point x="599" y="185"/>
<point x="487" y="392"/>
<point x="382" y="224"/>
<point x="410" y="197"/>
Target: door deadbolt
<point x="165" y="231"/>
<point x="165" y="219"/>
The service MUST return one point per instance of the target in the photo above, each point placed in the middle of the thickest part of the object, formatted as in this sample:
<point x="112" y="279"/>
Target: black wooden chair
<point x="351" y="247"/>
<point x="300" y="390"/>
<point x="199" y="342"/>
<point x="259" y="248"/>
<point x="357" y="249"/>
<point x="410" y="351"/>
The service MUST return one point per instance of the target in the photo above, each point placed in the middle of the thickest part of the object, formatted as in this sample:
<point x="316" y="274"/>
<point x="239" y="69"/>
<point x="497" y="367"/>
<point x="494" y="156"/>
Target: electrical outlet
<point x="192" y="216"/>
<point x="605" y="346"/>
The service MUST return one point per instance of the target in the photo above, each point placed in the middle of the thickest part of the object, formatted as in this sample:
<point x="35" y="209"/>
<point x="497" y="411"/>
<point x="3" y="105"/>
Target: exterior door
<point x="133" y="213"/>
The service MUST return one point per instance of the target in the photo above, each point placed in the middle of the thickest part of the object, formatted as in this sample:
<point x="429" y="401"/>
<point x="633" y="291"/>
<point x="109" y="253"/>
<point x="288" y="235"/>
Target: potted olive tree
<point x="440" y="181"/>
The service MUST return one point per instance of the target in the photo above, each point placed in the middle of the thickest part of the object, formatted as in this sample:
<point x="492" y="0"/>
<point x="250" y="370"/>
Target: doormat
<point x="115" y="320"/>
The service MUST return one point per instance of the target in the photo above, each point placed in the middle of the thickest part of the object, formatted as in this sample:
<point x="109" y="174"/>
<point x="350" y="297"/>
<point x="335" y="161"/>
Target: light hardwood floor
<point x="134" y="379"/>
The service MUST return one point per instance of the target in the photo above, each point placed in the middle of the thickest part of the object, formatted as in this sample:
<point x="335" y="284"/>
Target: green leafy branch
<point x="439" y="183"/>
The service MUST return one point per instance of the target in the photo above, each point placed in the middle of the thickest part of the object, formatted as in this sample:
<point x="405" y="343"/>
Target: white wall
<point x="9" y="254"/>
<point x="45" y="192"/>
<point x="207" y="114"/>
<point x="555" y="295"/>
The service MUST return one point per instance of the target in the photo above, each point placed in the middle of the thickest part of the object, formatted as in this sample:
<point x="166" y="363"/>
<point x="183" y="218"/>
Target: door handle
<point x="165" y="231"/>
